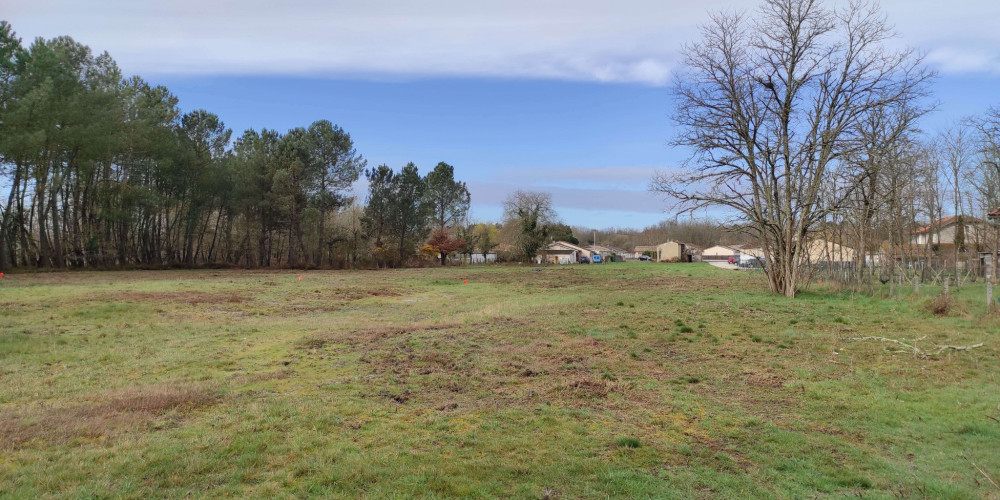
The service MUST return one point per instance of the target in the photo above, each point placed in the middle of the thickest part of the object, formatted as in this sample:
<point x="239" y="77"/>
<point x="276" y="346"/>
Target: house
<point x="562" y="252"/>
<point x="670" y="251"/>
<point x="720" y="253"/>
<point x="477" y="257"/>
<point x="944" y="231"/>
<point x="644" y="250"/>
<point x="823" y="251"/>
<point x="694" y="252"/>
<point x="609" y="252"/>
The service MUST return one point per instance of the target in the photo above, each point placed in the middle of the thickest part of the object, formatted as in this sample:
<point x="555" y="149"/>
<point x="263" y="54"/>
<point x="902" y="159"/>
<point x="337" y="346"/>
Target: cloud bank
<point x="634" y="41"/>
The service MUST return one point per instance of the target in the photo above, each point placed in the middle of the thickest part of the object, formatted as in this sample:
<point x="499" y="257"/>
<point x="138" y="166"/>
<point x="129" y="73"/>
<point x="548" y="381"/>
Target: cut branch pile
<point x="912" y="348"/>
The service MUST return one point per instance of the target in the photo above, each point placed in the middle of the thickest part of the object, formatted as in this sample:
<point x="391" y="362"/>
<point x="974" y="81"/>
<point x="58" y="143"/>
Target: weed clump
<point x="628" y="442"/>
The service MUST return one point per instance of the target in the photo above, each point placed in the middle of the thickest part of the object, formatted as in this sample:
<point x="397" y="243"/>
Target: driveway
<point x="724" y="265"/>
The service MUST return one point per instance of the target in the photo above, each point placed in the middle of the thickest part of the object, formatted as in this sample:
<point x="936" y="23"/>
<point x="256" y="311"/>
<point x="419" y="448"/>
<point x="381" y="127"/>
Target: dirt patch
<point x="365" y="335"/>
<point x="324" y="300"/>
<point x="192" y="297"/>
<point x="765" y="380"/>
<point x="585" y="387"/>
<point x="119" y="412"/>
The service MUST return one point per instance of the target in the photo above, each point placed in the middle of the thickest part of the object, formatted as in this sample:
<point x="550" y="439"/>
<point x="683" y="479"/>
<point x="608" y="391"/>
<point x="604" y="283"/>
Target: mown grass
<point x="616" y="380"/>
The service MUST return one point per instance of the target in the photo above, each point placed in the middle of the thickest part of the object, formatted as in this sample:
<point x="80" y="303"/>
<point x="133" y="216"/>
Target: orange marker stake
<point x="300" y="277"/>
<point x="463" y="281"/>
<point x="1" y="275"/>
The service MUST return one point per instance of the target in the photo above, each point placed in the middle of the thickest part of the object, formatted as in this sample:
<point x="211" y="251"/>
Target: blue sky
<point x="594" y="146"/>
<point x="563" y="96"/>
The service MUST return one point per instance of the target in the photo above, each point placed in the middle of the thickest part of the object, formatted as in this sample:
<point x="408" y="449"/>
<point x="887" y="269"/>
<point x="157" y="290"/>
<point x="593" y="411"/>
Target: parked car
<point x="583" y="260"/>
<point x="645" y="258"/>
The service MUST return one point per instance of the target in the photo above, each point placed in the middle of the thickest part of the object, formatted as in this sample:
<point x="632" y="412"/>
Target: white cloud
<point x="589" y="40"/>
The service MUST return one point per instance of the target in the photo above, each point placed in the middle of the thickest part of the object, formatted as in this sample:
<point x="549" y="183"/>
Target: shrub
<point x="944" y="305"/>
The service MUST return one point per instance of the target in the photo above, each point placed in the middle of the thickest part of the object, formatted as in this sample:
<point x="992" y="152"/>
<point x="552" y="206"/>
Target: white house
<point x="562" y="252"/>
<point x="477" y="258"/>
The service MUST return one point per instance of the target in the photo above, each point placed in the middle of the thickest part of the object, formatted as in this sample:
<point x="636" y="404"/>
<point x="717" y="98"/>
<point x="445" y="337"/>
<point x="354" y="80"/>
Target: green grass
<point x="487" y="382"/>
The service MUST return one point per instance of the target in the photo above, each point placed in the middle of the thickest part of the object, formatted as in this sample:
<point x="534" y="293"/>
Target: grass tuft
<point x="628" y="442"/>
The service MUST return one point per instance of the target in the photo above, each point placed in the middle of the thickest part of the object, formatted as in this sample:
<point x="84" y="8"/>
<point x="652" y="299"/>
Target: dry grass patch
<point x="359" y="336"/>
<point x="118" y="412"/>
<point x="187" y="297"/>
<point x="764" y="379"/>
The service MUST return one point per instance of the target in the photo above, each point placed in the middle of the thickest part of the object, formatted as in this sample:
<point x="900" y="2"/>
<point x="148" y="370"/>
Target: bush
<point x="944" y="305"/>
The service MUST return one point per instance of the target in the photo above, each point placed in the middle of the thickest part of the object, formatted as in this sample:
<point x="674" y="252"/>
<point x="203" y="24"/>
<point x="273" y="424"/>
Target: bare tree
<point x="929" y="200"/>
<point x="888" y="136"/>
<point x="984" y="176"/>
<point x="772" y="107"/>
<point x="958" y="157"/>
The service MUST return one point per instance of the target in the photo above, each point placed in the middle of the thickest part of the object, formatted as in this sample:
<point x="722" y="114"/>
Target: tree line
<point x="102" y="170"/>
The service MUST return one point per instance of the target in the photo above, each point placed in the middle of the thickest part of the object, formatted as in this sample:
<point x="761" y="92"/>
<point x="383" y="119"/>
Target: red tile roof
<point x="951" y="219"/>
<point x="941" y="223"/>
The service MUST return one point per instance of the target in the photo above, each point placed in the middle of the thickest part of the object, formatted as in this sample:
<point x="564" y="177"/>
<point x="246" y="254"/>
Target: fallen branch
<point x="981" y="471"/>
<point x="912" y="348"/>
<point x="943" y="348"/>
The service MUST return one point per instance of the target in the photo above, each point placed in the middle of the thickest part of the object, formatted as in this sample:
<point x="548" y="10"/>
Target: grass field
<point x="619" y="380"/>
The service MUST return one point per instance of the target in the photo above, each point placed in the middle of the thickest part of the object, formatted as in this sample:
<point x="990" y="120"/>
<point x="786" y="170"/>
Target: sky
<point x="567" y="97"/>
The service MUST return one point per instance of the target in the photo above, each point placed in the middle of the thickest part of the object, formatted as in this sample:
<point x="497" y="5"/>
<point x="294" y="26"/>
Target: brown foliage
<point x="944" y="305"/>
<point x="444" y="243"/>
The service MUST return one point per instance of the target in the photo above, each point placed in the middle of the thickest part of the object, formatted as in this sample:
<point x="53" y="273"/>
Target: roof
<point x="952" y="219"/>
<point x="599" y="248"/>
<point x="565" y="244"/>
<point x="732" y="249"/>
<point x="604" y="249"/>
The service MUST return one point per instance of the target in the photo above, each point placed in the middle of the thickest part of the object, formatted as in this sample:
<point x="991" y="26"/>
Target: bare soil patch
<point x="118" y="412"/>
<point x="187" y="297"/>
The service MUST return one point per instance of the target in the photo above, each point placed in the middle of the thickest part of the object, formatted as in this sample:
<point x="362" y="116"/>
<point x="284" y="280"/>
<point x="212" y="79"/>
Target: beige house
<point x="720" y="253"/>
<point x="562" y="252"/>
<point x="670" y="251"/>
<point x="823" y="251"/>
